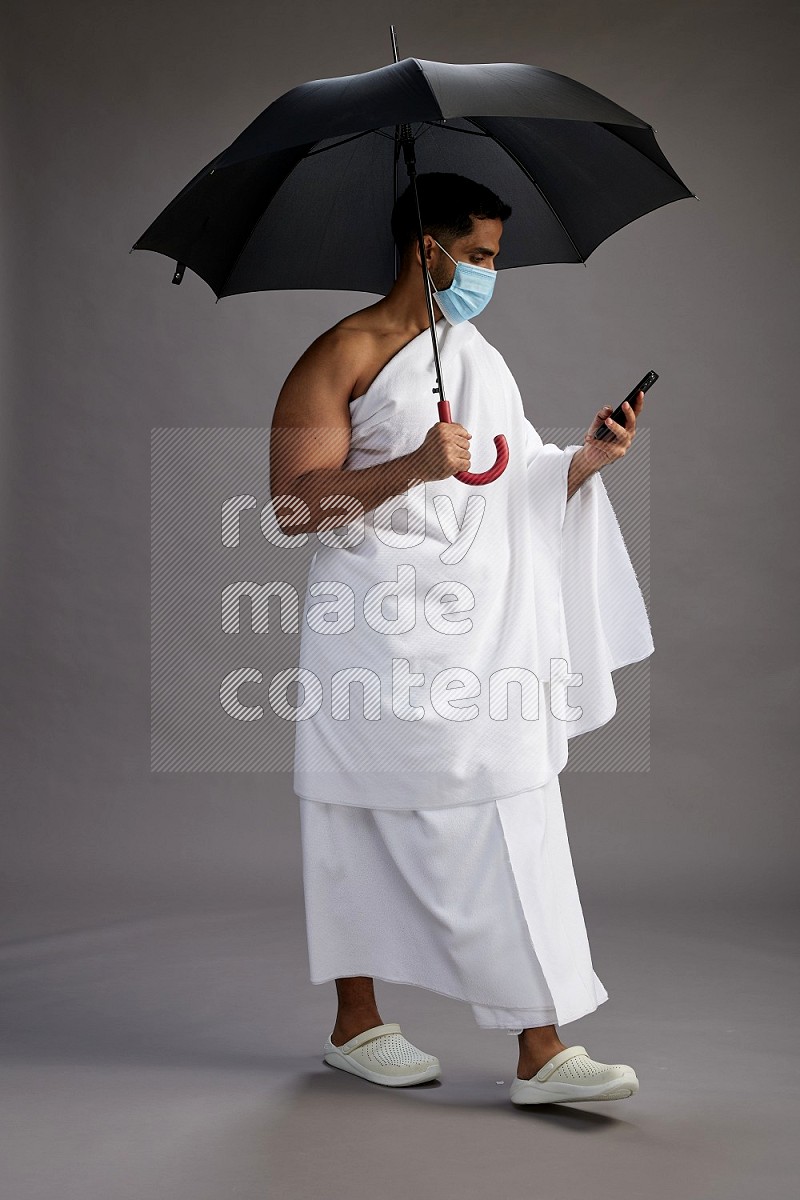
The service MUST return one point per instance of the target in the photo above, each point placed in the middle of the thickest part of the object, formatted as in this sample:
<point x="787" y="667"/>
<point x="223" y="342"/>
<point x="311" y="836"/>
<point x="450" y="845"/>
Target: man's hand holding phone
<point x="598" y="452"/>
<point x="610" y="434"/>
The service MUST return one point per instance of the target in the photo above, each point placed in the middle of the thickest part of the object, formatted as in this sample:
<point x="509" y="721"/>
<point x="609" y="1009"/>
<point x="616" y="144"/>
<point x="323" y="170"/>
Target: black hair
<point x="447" y="203"/>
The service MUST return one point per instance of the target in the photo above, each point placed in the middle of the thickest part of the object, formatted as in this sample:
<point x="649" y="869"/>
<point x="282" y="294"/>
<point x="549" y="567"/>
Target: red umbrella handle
<point x="500" y="464"/>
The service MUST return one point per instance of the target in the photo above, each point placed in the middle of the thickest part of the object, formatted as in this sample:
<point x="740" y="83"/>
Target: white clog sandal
<point x="383" y="1055"/>
<point x="571" y="1076"/>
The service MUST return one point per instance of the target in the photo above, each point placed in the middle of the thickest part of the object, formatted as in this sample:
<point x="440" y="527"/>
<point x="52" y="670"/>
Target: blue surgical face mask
<point x="468" y="294"/>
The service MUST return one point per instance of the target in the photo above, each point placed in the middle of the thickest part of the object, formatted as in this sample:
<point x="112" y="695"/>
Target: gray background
<point x="159" y="1027"/>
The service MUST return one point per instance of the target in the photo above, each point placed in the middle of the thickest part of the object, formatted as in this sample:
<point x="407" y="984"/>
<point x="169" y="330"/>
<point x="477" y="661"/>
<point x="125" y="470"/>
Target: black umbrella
<point x="303" y="197"/>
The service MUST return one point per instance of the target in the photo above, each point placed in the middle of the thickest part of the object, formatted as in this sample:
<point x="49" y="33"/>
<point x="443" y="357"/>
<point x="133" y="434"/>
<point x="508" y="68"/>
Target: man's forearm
<point x="369" y="487"/>
<point x="361" y="489"/>
<point x="578" y="472"/>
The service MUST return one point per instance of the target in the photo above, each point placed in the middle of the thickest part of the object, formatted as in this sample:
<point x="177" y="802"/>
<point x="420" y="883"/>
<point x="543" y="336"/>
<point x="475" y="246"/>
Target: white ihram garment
<point x="476" y="901"/>
<point x="429" y="624"/>
<point x="435" y="851"/>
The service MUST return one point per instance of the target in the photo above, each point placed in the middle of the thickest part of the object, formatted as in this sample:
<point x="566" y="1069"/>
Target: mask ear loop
<point x="441" y="247"/>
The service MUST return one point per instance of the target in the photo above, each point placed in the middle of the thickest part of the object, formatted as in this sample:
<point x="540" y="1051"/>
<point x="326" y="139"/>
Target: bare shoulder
<point x="369" y="341"/>
<point x="357" y="341"/>
<point x="330" y="370"/>
<point x="311" y="423"/>
<point x="348" y="340"/>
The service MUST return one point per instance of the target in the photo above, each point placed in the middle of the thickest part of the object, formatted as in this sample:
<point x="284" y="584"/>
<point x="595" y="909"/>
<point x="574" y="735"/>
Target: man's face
<point x="480" y="247"/>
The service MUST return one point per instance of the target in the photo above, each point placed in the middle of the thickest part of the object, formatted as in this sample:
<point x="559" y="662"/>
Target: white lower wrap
<point x="478" y="902"/>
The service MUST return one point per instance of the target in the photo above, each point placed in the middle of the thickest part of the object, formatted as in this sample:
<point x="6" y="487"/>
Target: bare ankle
<point x="343" y="1033"/>
<point x="357" y="1008"/>
<point x="536" y="1047"/>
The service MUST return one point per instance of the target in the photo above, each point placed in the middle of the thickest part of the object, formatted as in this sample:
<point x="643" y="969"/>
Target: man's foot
<point x="535" y="1051"/>
<point x="572" y="1076"/>
<point x="382" y="1055"/>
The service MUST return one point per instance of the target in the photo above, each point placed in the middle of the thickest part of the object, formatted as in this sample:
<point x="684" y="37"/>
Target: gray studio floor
<point x="171" y="1051"/>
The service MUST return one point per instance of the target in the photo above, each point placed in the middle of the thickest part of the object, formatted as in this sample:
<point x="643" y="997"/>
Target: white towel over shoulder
<point x="441" y="632"/>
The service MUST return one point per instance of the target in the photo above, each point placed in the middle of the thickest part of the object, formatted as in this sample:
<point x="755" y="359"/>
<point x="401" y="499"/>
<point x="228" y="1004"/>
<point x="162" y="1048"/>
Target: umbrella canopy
<point x="303" y="197"/>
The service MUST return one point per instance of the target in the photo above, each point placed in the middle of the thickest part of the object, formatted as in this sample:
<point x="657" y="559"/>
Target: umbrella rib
<point x="252" y="230"/>
<point x="321" y="150"/>
<point x="527" y="173"/>
<point x="453" y="129"/>
<point x="363" y="133"/>
<point x="343" y="142"/>
<point x="253" y="227"/>
<point x="610" y="128"/>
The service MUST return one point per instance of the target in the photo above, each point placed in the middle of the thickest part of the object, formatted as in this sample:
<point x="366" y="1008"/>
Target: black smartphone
<point x="618" y="415"/>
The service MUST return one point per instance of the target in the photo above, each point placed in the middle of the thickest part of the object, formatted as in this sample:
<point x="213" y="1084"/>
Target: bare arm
<point x="310" y="439"/>
<point x="579" y="470"/>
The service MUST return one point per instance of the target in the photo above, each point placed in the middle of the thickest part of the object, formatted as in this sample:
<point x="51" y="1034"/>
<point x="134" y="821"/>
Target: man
<point x="434" y="846"/>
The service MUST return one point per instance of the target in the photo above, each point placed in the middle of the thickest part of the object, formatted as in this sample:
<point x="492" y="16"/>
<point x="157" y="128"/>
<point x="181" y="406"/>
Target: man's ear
<point x="428" y="242"/>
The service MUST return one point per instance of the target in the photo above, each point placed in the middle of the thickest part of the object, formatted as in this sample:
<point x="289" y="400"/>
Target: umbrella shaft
<point x="407" y="142"/>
